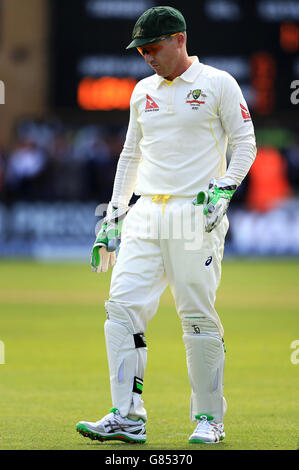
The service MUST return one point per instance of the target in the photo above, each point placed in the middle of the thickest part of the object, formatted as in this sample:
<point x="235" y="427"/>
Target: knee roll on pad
<point x="200" y="325"/>
<point x="205" y="363"/>
<point x="127" y="355"/>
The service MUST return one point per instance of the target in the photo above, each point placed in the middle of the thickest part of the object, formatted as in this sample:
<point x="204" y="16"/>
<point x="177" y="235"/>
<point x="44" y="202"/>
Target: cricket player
<point x="181" y="119"/>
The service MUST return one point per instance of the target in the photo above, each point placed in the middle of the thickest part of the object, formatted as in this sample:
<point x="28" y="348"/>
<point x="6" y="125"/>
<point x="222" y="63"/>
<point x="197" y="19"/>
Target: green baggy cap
<point x="156" y="22"/>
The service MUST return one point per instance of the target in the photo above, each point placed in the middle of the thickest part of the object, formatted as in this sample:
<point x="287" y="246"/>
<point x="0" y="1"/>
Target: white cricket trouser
<point x="157" y="249"/>
<point x="145" y="266"/>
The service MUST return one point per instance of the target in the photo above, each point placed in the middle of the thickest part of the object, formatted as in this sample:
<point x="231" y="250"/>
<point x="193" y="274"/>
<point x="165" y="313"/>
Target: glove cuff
<point x="115" y="213"/>
<point x="224" y="183"/>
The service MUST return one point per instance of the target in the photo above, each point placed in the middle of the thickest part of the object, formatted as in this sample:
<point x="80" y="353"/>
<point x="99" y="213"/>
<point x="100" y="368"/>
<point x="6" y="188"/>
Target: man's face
<point x="162" y="56"/>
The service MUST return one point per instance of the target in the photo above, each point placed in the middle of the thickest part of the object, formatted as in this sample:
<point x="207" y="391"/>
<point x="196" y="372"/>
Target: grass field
<point x="55" y="371"/>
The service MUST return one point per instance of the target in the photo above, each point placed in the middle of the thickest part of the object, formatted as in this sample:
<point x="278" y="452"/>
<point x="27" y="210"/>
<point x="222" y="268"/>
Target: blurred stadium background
<point x="67" y="80"/>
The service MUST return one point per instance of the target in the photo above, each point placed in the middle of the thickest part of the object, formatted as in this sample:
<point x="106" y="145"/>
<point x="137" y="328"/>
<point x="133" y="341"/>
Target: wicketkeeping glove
<point x="215" y="202"/>
<point x="103" y="251"/>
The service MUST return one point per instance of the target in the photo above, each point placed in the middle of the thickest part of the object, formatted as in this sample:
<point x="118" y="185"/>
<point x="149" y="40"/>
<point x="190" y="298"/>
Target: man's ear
<point x="181" y="38"/>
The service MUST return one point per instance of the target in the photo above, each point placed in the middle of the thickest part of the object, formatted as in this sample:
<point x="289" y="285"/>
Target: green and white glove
<point x="215" y="202"/>
<point x="103" y="253"/>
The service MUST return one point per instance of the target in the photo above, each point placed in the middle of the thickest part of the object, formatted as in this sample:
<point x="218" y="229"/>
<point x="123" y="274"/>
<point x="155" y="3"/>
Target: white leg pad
<point x="205" y="363"/>
<point x="127" y="357"/>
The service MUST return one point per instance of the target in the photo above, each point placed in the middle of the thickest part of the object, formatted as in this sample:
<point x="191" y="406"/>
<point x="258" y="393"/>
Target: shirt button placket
<point x="170" y="99"/>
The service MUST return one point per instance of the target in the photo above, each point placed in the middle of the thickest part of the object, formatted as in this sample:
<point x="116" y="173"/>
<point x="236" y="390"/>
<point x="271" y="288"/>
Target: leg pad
<point x="127" y="355"/>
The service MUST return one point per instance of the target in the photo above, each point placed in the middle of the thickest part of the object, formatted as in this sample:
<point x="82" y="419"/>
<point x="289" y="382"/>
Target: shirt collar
<point x="188" y="76"/>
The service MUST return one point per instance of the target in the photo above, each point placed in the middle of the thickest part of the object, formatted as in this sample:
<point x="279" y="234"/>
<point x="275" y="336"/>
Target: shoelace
<point x="203" y="423"/>
<point x="112" y="421"/>
<point x="206" y="425"/>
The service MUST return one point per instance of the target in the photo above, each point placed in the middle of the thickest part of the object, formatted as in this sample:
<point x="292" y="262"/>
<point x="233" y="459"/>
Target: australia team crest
<point x="195" y="98"/>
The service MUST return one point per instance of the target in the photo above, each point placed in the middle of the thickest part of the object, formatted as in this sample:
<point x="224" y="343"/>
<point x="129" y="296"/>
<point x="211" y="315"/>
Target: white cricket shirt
<point x="178" y="133"/>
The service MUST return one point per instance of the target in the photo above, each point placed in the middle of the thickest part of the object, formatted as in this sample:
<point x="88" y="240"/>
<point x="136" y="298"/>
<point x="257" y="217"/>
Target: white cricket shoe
<point x="114" y="427"/>
<point x="207" y="431"/>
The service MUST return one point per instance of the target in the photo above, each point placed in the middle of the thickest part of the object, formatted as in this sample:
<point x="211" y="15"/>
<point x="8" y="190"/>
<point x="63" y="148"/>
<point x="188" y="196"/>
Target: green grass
<point x="56" y="373"/>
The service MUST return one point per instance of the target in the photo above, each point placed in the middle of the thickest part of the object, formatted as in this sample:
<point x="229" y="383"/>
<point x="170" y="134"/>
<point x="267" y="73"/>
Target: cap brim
<point x="138" y="42"/>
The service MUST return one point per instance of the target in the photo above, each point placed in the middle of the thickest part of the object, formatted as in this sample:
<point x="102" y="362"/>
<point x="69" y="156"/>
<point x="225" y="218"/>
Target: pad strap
<point x="138" y="385"/>
<point x="139" y="340"/>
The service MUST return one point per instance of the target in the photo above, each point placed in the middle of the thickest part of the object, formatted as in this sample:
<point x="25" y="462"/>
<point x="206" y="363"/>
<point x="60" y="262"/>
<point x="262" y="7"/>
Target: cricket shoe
<point x="207" y="431"/>
<point x="114" y="428"/>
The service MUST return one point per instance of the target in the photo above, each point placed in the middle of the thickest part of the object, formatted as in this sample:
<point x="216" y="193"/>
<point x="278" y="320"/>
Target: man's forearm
<point x="243" y="156"/>
<point x="125" y="180"/>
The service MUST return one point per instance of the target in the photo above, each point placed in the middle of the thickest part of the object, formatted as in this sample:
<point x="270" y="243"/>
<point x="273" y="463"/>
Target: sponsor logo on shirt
<point x="150" y="104"/>
<point x="245" y="113"/>
<point x="192" y="98"/>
